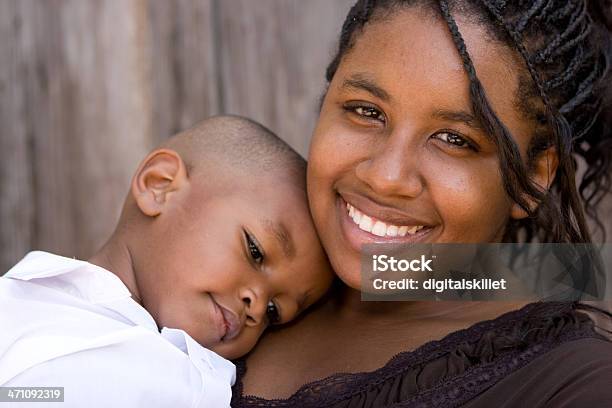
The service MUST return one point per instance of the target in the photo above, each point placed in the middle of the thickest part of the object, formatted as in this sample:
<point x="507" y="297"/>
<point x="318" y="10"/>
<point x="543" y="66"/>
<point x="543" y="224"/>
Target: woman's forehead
<point x="421" y="45"/>
<point x="411" y="57"/>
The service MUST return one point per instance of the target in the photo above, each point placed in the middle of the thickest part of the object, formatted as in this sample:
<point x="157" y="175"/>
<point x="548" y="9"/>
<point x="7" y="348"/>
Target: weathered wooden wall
<point x="87" y="87"/>
<point x="75" y="113"/>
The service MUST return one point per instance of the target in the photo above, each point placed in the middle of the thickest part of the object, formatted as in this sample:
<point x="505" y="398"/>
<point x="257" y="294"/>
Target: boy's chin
<point x="228" y="351"/>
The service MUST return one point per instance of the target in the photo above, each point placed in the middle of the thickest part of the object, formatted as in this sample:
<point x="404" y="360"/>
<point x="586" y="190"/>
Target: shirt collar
<point x="81" y="279"/>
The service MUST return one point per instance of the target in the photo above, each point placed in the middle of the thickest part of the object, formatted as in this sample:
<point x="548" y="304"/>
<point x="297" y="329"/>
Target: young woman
<point x="460" y="121"/>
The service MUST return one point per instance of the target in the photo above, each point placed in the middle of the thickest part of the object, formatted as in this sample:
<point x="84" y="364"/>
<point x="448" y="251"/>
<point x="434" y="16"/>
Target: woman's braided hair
<point x="566" y="55"/>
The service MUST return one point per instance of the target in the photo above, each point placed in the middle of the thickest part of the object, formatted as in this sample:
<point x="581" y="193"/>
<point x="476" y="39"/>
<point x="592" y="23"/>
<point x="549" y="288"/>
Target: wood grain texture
<point x="107" y="63"/>
<point x="273" y="59"/>
<point x="83" y="75"/>
<point x="16" y="187"/>
<point x="185" y="76"/>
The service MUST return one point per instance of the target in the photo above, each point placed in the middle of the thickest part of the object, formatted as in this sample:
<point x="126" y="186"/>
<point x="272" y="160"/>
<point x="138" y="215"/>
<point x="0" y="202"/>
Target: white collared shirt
<point x="68" y="323"/>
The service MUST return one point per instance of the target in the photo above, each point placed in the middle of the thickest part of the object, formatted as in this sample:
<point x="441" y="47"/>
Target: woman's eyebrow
<point x="458" y="116"/>
<point x="364" y="83"/>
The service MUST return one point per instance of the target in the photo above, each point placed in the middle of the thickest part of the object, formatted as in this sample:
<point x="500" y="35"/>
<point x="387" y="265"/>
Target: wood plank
<point x="16" y="189"/>
<point x="105" y="111"/>
<point x="185" y="77"/>
<point x="87" y="93"/>
<point x="273" y="58"/>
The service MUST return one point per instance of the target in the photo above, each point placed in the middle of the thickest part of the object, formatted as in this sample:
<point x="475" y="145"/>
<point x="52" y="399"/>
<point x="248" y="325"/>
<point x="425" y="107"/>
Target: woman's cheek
<point x="472" y="204"/>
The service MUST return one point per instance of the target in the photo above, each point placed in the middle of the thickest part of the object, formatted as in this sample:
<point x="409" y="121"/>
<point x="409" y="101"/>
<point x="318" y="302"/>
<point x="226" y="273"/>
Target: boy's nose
<point x="255" y="304"/>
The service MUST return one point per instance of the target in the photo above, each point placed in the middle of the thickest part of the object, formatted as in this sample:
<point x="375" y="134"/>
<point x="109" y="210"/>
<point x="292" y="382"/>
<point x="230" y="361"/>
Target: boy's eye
<point x="272" y="313"/>
<point x="254" y="250"/>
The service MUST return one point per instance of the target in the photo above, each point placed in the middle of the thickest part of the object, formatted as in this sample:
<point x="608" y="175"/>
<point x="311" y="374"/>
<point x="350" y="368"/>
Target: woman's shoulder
<point x="577" y="374"/>
<point x="514" y="349"/>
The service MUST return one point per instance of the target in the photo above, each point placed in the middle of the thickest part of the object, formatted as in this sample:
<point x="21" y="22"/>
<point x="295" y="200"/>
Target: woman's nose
<point x="255" y="304"/>
<point x="393" y="170"/>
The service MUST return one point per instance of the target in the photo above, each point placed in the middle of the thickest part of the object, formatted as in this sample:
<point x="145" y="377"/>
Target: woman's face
<point x="397" y="155"/>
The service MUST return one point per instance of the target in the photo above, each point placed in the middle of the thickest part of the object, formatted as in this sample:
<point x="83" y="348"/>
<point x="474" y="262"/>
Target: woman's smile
<point x="362" y="221"/>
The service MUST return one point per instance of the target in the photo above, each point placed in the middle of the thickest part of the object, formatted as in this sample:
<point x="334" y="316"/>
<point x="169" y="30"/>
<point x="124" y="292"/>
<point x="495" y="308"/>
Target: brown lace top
<point x="543" y="355"/>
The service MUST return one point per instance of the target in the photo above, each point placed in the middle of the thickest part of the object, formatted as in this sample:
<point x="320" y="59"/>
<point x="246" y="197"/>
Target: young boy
<point x="214" y="244"/>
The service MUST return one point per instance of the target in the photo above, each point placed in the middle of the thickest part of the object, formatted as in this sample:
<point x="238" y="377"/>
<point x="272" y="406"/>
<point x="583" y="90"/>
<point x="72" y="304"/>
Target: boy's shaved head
<point x="208" y="210"/>
<point x="235" y="144"/>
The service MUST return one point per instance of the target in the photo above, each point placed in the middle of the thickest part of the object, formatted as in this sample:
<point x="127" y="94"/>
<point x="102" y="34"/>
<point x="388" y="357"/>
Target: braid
<point x="358" y="15"/>
<point x="458" y="40"/>
<point x="544" y="12"/>
<point x="571" y="44"/>
<point x="584" y="91"/>
<point x="569" y="73"/>
<point x="561" y="13"/>
<point x="578" y="18"/>
<point x="516" y="36"/>
<point x="510" y="156"/>
<point x="520" y="26"/>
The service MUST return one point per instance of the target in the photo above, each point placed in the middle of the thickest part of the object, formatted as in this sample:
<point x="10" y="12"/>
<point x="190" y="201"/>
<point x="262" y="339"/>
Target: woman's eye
<point x="368" y="112"/>
<point x="254" y="251"/>
<point x="455" y="140"/>
<point x="272" y="313"/>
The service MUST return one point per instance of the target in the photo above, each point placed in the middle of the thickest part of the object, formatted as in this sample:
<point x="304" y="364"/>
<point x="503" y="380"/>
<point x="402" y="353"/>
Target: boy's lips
<point x="227" y="320"/>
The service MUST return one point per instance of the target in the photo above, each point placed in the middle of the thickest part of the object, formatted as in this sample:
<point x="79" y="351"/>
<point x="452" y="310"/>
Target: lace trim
<point x="534" y="323"/>
<point x="464" y="387"/>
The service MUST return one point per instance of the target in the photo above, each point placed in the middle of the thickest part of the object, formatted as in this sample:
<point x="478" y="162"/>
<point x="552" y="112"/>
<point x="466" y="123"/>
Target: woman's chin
<point x="349" y="272"/>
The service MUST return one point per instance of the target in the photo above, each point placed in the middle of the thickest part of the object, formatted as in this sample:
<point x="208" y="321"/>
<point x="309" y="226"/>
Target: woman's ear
<point x="543" y="174"/>
<point x="158" y="177"/>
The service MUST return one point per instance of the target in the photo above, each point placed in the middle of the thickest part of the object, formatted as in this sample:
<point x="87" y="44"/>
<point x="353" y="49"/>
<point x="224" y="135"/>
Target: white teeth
<point x="378" y="227"/>
<point x="365" y="223"/>
<point x="392" y="230"/>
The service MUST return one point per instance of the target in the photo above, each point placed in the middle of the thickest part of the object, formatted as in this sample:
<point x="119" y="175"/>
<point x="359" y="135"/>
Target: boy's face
<point x="224" y="262"/>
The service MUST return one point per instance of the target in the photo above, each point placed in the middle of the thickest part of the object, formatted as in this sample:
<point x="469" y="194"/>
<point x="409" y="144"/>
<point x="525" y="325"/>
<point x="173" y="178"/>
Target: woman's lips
<point x="227" y="321"/>
<point x="383" y="212"/>
<point x="378" y="227"/>
<point x="400" y="229"/>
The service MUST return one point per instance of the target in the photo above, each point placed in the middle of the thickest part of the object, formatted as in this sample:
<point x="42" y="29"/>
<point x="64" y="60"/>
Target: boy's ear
<point x="159" y="175"/>
<point x="543" y="174"/>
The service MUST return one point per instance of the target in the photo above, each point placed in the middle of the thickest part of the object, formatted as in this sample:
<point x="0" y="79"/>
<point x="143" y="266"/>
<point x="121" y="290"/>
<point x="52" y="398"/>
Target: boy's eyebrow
<point x="363" y="82"/>
<point x="282" y="235"/>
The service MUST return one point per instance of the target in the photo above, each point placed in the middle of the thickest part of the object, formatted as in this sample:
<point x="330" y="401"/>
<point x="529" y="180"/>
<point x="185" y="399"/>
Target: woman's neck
<point x="347" y="304"/>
